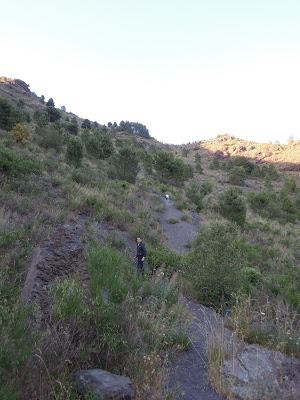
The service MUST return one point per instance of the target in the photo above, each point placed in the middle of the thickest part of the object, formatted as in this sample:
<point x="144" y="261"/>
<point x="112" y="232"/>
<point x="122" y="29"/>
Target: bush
<point x="74" y="152"/>
<point x="272" y="205"/>
<point x="194" y="194"/>
<point x="232" y="206"/>
<point x="290" y="185"/>
<point x="161" y="256"/>
<point x="15" y="165"/>
<point x="243" y="162"/>
<point x="214" y="266"/>
<point x="99" y="145"/>
<point x="49" y="137"/>
<point x="20" y="133"/>
<point x="237" y="176"/>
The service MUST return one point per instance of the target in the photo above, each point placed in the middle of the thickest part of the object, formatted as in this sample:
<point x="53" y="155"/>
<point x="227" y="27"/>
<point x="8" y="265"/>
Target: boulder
<point x="256" y="373"/>
<point x="103" y="385"/>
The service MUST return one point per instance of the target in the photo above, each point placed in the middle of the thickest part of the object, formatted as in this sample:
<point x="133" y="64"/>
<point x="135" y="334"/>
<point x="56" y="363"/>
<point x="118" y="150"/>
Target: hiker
<point x="141" y="253"/>
<point x="167" y="196"/>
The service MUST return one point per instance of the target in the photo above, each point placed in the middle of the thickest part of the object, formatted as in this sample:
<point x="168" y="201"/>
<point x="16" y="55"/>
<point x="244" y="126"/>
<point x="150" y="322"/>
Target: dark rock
<point x="256" y="373"/>
<point x="103" y="385"/>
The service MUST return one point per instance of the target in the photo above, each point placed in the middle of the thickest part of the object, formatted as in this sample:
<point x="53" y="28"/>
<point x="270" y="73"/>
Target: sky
<point x="187" y="69"/>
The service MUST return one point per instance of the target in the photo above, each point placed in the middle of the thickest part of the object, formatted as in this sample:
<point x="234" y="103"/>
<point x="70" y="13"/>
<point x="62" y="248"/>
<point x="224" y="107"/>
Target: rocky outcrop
<point x="16" y="82"/>
<point x="256" y="373"/>
<point x="103" y="385"/>
<point x="59" y="256"/>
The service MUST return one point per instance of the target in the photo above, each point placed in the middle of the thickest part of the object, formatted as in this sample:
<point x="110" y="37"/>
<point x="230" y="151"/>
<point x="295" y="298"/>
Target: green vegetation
<point x="171" y="169"/>
<point x="74" y="152"/>
<point x="13" y="164"/>
<point x="99" y="145"/>
<point x="274" y="205"/>
<point x="125" y="165"/>
<point x="215" y="264"/>
<point x="237" y="176"/>
<point x="233" y="207"/>
<point x="109" y="180"/>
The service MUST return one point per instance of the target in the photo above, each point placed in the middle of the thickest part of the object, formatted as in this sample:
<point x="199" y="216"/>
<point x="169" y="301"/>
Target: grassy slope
<point x="33" y="205"/>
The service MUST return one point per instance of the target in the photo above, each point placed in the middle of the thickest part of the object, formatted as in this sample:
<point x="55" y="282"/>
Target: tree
<point x="50" y="103"/>
<point x="53" y="114"/>
<point x="125" y="165"/>
<point x="86" y="124"/>
<point x="215" y="264"/>
<point x="42" y="98"/>
<point x="63" y="108"/>
<point x="169" y="167"/>
<point x="72" y="127"/>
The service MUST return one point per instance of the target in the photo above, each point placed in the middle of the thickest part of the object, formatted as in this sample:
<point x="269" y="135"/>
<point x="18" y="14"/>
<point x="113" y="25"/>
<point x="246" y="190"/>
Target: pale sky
<point x="188" y="69"/>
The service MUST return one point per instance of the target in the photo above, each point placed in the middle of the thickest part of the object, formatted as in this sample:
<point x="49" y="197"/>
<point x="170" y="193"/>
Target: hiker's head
<point x="138" y="240"/>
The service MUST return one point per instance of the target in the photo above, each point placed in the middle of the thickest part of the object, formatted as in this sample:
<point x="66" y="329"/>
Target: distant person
<point x="141" y="253"/>
<point x="167" y="196"/>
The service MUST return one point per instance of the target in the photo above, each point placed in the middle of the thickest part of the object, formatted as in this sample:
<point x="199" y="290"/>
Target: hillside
<point x="224" y="249"/>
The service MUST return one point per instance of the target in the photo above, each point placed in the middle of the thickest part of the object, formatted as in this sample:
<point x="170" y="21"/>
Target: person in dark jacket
<point x="141" y="253"/>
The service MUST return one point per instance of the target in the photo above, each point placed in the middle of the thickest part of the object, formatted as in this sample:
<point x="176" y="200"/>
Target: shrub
<point x="41" y="118"/>
<point x="99" y="145"/>
<point x="161" y="256"/>
<point x="232" y="206"/>
<point x="290" y="185"/>
<point x="243" y="162"/>
<point x="20" y="133"/>
<point x="74" y="152"/>
<point x="214" y="265"/>
<point x="206" y="188"/>
<point x="49" y="137"/>
<point x="15" y="165"/>
<point x="272" y="205"/>
<point x="237" y="176"/>
<point x="194" y="194"/>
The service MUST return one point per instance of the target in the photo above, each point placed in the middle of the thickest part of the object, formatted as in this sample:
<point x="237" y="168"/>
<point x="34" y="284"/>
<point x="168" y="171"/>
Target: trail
<point x="188" y="374"/>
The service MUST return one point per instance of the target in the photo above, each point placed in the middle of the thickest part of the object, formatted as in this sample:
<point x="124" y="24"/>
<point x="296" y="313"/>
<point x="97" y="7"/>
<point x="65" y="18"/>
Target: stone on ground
<point x="103" y="385"/>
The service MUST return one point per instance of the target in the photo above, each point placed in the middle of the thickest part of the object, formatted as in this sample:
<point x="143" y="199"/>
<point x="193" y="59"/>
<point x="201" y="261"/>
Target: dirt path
<point x="188" y="374"/>
<point x="181" y="234"/>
